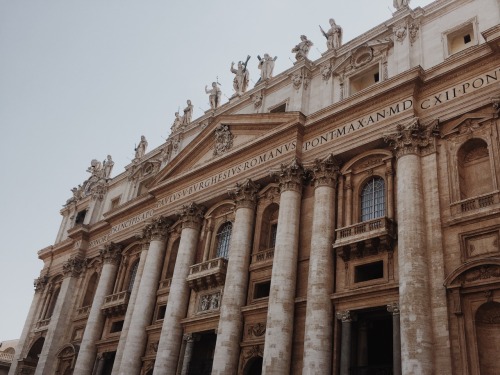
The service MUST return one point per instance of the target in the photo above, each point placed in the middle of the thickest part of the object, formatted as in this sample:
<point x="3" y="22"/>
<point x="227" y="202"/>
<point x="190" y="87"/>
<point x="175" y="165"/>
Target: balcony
<point x="476" y="203"/>
<point x="209" y="274"/>
<point x="366" y="238"/>
<point x="116" y="304"/>
<point x="262" y="258"/>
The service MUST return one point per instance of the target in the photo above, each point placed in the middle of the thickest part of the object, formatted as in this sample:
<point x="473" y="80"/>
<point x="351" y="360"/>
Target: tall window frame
<point x="372" y="199"/>
<point x="223" y="240"/>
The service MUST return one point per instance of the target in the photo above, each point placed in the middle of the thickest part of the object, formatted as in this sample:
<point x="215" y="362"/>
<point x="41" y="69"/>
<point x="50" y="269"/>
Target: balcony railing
<point x="41" y="324"/>
<point x="475" y="203"/>
<point x="263" y="256"/>
<point x="6" y="357"/>
<point x="209" y="274"/>
<point x="369" y="236"/>
<point x="116" y="304"/>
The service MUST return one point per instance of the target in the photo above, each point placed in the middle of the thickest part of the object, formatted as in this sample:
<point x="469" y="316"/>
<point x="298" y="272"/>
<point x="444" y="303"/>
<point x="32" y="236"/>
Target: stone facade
<point x="341" y="217"/>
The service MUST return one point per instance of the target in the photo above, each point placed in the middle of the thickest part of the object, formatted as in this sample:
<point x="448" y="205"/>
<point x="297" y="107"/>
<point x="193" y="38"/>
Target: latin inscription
<point x="132" y="221"/>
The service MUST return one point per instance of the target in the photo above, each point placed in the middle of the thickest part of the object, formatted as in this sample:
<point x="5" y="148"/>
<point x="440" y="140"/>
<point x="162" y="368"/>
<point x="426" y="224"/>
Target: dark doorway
<point x="372" y="343"/>
<point x="109" y="360"/>
<point x="203" y="354"/>
<point x="254" y="366"/>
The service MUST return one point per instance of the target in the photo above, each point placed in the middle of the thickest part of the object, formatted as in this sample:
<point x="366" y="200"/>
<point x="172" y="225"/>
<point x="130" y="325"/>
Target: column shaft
<point x="178" y="298"/>
<point x="345" y="345"/>
<point x="279" y="330"/>
<point x="230" y="323"/>
<point x="143" y="309"/>
<point x="95" y="321"/>
<point x="318" y="335"/>
<point x="188" y="352"/>
<point x="130" y="311"/>
<point x="416" y="328"/>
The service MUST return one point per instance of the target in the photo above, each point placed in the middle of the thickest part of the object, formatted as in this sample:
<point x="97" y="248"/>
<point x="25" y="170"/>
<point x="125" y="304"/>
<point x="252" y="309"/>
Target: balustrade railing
<point x="366" y="227"/>
<point x="6" y="357"/>
<point x="42" y="323"/>
<point x="263" y="255"/>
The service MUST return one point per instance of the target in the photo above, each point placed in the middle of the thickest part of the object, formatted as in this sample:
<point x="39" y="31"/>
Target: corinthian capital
<point x="191" y="215"/>
<point x="40" y="282"/>
<point x="325" y="172"/>
<point x="157" y="229"/>
<point x="245" y="194"/>
<point x="291" y="176"/>
<point x="344" y="316"/>
<point x="73" y="266"/>
<point x="111" y="253"/>
<point x="412" y="138"/>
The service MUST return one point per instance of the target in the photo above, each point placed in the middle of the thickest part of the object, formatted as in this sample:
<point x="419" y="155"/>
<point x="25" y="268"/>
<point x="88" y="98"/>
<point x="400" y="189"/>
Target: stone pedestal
<point x="111" y="256"/>
<point x="318" y="345"/>
<point x="146" y="296"/>
<point x="279" y="331"/>
<point x="230" y="323"/>
<point x="178" y="298"/>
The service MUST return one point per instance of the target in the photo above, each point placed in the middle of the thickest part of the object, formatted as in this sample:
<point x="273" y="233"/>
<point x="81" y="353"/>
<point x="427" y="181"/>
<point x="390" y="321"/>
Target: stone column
<point x="146" y="297"/>
<point x="345" y="346"/>
<point x="414" y="301"/>
<point x="188" y="353"/>
<point x="393" y="308"/>
<point x="318" y="344"/>
<point x="61" y="317"/>
<point x="39" y="285"/>
<point x="130" y="307"/>
<point x="178" y="298"/>
<point x="227" y="347"/>
<point x="280" y="314"/>
<point x="348" y="200"/>
<point x="111" y="255"/>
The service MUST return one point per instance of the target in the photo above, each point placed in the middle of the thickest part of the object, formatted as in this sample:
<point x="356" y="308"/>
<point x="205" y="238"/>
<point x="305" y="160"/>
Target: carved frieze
<point x="223" y="139"/>
<point x="482" y="272"/>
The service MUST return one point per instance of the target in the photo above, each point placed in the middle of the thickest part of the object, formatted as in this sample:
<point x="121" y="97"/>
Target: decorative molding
<point x="191" y="215"/>
<point x="413" y="31"/>
<point x="157" y="230"/>
<point x="111" y="253"/>
<point x="257" y="329"/>
<point x="326" y="71"/>
<point x="413" y="138"/>
<point x="209" y="302"/>
<point x="245" y="194"/>
<point x="325" y="172"/>
<point x="290" y="176"/>
<point x="400" y="33"/>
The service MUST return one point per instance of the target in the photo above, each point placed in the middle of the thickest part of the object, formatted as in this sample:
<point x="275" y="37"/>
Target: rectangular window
<point x="364" y="79"/>
<point x="116" y="326"/>
<point x="80" y="217"/>
<point x="460" y="38"/>
<point x="161" y="312"/>
<point x="115" y="202"/>
<point x="369" y="271"/>
<point x="261" y="290"/>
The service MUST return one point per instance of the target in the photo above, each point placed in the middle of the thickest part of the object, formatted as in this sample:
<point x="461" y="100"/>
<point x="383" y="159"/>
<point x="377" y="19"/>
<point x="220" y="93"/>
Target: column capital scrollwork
<point x="191" y="215"/>
<point x="412" y="138"/>
<point x="344" y="316"/>
<point x="40" y="282"/>
<point x="245" y="194"/>
<point x="157" y="229"/>
<point x="290" y="176"/>
<point x="111" y="253"/>
<point x="325" y="172"/>
<point x="74" y="266"/>
<point x="393" y="308"/>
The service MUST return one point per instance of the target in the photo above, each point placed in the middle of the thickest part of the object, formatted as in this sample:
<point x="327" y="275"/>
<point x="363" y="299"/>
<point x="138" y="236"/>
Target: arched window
<point x="373" y="199"/>
<point x="89" y="293"/>
<point x="223" y="239"/>
<point x="52" y="303"/>
<point x="133" y="273"/>
<point x="474" y="169"/>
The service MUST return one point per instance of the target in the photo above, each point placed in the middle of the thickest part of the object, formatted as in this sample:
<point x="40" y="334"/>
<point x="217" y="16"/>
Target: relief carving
<point x="223" y="139"/>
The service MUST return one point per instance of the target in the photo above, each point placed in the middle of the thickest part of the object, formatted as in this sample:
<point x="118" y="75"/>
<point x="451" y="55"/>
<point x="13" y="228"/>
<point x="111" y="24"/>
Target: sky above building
<point x="83" y="79"/>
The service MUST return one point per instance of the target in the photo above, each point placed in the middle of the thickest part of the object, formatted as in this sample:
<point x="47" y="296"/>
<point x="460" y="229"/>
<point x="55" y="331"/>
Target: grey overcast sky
<point x="83" y="79"/>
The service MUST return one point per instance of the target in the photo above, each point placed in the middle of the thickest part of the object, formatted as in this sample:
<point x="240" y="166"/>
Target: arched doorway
<point x="254" y="366"/>
<point x="488" y="337"/>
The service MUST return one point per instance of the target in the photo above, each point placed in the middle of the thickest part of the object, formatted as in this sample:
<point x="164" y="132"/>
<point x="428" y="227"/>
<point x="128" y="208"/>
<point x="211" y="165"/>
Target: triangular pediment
<point x="225" y="137"/>
<point x="465" y="123"/>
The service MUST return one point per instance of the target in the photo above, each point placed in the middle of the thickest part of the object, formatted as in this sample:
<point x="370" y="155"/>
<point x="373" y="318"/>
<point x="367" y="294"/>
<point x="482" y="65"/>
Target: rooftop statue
<point x="188" y="113"/>
<point x="177" y="122"/>
<point x="241" y="77"/>
<point x="107" y="166"/>
<point x="95" y="168"/>
<point x="140" y="150"/>
<point x="333" y="35"/>
<point x="301" y="50"/>
<point x="266" y="66"/>
<point x="399" y="4"/>
<point x="214" y="95"/>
